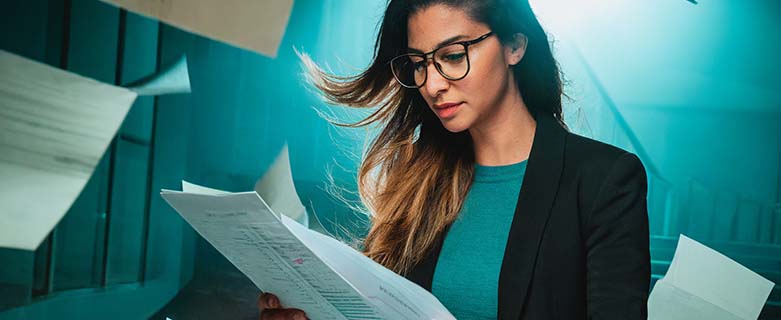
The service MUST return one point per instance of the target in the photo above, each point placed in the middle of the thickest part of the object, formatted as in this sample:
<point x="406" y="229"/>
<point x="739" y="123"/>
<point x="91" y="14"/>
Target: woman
<point x="478" y="192"/>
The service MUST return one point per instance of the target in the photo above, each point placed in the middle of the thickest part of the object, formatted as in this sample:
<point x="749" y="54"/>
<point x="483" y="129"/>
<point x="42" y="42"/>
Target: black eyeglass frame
<point x="431" y="53"/>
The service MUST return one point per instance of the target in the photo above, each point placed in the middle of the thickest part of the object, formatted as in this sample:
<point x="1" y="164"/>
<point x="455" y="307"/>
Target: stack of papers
<point x="704" y="284"/>
<point x="305" y="269"/>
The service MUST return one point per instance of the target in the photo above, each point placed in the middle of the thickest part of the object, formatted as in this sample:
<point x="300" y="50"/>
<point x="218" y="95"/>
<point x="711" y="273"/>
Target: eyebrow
<point x="441" y="44"/>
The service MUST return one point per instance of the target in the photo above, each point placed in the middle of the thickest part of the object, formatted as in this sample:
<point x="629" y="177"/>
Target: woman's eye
<point x="419" y="66"/>
<point x="454" y="56"/>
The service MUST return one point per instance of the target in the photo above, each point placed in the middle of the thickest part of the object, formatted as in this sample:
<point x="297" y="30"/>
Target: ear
<point x="514" y="51"/>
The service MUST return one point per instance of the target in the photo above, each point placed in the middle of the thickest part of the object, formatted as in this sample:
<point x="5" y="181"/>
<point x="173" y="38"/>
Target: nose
<point x="435" y="83"/>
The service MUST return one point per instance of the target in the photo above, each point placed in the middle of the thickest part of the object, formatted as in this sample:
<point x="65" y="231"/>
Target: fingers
<point x="271" y="309"/>
<point x="268" y="301"/>
<point x="282" y="314"/>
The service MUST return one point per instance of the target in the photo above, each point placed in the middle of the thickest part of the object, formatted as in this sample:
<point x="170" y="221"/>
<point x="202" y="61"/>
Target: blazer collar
<point x="538" y="191"/>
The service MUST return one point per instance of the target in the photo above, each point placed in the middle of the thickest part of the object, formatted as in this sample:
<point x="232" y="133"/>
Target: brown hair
<point x="415" y="174"/>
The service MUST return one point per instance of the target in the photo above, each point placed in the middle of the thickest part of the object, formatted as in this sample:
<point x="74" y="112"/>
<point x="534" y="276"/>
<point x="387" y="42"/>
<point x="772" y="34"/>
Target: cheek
<point x="488" y="71"/>
<point x="483" y="83"/>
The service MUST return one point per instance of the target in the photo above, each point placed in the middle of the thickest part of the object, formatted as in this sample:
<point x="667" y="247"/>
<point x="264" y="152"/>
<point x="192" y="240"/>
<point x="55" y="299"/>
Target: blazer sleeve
<point x="618" y="261"/>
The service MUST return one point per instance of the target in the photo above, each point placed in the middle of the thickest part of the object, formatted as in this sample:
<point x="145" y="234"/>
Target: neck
<point x="505" y="137"/>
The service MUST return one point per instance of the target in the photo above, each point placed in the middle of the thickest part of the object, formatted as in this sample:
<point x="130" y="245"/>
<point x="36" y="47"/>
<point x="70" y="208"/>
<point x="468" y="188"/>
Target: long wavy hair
<point x="415" y="174"/>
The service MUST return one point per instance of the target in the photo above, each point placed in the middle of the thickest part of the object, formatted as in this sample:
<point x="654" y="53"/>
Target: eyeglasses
<point x="451" y="61"/>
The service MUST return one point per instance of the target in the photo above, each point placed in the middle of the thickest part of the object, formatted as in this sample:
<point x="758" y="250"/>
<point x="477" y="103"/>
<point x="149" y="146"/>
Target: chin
<point x="454" y="126"/>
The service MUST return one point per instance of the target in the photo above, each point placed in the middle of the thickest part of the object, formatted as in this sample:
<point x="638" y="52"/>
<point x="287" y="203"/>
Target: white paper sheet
<point x="250" y="24"/>
<point x="704" y="284"/>
<point x="276" y="187"/>
<point x="54" y="128"/>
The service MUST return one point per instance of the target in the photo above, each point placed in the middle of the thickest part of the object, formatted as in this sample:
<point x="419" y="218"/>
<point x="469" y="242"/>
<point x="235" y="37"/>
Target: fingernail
<point x="300" y="316"/>
<point x="273" y="302"/>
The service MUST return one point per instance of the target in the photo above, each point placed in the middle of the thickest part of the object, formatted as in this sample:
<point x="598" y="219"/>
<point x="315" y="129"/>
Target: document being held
<point x="305" y="269"/>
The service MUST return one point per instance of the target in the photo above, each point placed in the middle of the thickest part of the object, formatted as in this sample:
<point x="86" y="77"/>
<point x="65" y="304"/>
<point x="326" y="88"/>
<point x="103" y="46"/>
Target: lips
<point x="446" y="105"/>
<point x="448" y="109"/>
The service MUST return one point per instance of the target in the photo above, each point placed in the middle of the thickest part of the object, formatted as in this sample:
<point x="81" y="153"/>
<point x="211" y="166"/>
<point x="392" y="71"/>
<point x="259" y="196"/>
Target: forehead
<point x="427" y="27"/>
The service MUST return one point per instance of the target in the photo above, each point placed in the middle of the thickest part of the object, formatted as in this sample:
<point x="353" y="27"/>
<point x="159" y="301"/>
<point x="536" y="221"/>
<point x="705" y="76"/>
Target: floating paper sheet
<point x="279" y="191"/>
<point x="54" y="128"/>
<point x="704" y="284"/>
<point x="172" y="79"/>
<point x="249" y="24"/>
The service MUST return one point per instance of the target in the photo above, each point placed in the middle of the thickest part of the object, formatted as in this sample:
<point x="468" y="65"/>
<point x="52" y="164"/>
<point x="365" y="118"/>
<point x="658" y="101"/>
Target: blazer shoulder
<point x="595" y="158"/>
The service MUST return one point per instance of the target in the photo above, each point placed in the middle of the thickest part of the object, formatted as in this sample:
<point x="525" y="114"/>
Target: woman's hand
<point x="271" y="309"/>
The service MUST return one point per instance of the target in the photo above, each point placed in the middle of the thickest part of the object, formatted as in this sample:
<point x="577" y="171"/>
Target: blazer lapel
<point x="538" y="191"/>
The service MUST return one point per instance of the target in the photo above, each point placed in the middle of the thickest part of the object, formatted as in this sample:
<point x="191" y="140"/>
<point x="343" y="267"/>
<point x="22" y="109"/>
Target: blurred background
<point x="692" y="89"/>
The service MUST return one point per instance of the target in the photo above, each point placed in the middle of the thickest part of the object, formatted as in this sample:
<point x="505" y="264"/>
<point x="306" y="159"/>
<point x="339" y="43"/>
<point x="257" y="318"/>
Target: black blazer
<point x="578" y="247"/>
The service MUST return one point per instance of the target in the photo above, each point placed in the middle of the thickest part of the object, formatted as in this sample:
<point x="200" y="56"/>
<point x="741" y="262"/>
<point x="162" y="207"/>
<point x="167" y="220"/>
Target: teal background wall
<point x="119" y="247"/>
<point x="692" y="89"/>
<point x="120" y="238"/>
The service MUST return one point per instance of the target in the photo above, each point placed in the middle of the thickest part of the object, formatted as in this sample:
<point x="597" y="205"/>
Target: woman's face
<point x="461" y="104"/>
